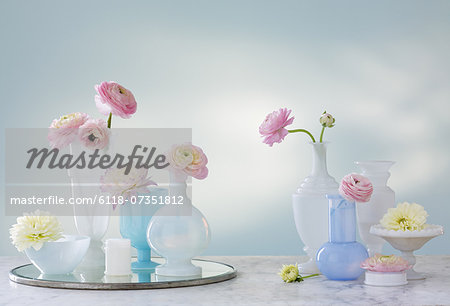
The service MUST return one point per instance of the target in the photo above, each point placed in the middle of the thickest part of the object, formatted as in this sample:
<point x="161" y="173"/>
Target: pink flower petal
<point x="273" y="128"/>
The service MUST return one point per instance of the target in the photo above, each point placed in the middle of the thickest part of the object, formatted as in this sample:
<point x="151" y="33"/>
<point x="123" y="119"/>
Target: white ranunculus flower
<point x="189" y="159"/>
<point x="181" y="156"/>
<point x="34" y="230"/>
<point x="117" y="183"/>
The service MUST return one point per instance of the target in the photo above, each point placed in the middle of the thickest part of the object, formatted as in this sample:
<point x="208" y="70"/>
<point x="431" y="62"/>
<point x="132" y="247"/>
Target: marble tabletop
<point x="257" y="283"/>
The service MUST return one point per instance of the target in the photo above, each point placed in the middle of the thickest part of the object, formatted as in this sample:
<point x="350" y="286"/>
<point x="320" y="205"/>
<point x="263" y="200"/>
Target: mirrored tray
<point x="212" y="272"/>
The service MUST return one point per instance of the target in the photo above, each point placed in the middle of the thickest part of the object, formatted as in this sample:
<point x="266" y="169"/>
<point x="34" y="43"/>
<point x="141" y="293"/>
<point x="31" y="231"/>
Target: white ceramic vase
<point x="178" y="232"/>
<point x="382" y="198"/>
<point x="310" y="207"/>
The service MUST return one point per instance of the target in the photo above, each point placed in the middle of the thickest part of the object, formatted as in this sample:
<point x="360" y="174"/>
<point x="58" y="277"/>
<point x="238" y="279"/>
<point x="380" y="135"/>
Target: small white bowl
<point x="61" y="256"/>
<point x="385" y="279"/>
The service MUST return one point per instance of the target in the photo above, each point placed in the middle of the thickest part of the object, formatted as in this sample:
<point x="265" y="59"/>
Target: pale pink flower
<point x="189" y="159"/>
<point x="116" y="183"/>
<point x="94" y="134"/>
<point x="273" y="128"/>
<point x="64" y="130"/>
<point x="355" y="187"/>
<point x="116" y="99"/>
<point x="382" y="263"/>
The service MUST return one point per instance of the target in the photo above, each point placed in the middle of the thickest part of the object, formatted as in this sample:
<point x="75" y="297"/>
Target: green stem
<point x="312" y="275"/>
<point x="303" y="131"/>
<point x="109" y="120"/>
<point x="321" y="134"/>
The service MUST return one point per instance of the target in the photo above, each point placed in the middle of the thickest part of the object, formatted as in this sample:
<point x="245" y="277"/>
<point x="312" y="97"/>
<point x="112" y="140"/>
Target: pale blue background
<point x="382" y="68"/>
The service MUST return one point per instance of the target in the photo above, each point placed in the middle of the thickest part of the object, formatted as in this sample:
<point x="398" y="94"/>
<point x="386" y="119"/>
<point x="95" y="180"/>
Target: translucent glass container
<point x="178" y="233"/>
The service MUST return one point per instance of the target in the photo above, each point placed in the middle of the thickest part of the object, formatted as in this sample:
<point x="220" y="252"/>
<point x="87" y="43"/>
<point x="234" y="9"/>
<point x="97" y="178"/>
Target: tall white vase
<point x="310" y="207"/>
<point x="383" y="197"/>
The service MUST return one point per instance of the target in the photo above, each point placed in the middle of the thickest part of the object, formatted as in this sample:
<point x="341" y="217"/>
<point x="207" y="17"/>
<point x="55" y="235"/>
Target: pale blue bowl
<point x="61" y="256"/>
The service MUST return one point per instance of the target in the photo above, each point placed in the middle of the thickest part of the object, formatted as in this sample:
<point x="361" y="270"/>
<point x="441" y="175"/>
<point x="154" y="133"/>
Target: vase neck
<point x="319" y="181"/>
<point x="178" y="186"/>
<point x="376" y="171"/>
<point x="377" y="180"/>
<point x="341" y="220"/>
<point x="319" y="167"/>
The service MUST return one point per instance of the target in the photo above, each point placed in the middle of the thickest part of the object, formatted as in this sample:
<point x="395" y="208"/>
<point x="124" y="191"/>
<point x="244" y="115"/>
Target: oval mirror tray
<point x="212" y="272"/>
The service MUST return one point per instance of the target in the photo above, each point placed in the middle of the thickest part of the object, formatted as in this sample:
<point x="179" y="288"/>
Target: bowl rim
<point x="386" y="273"/>
<point x="432" y="230"/>
<point x="76" y="238"/>
<point x="375" y="161"/>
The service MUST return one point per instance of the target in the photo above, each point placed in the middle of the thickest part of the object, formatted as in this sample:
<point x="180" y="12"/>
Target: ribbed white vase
<point x="382" y="199"/>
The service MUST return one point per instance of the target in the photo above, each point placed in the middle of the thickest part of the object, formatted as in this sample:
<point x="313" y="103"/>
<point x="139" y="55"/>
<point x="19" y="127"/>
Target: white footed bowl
<point x="407" y="242"/>
<point x="61" y="256"/>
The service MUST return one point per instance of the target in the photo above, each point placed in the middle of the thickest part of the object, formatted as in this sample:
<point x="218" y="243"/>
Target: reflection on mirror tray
<point x="142" y="279"/>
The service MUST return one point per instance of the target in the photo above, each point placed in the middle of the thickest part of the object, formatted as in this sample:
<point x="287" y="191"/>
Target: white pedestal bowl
<point x="407" y="242"/>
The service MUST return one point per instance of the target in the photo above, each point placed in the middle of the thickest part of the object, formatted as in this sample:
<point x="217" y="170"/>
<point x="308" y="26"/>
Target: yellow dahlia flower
<point x="34" y="230"/>
<point x="289" y="273"/>
<point x="405" y="217"/>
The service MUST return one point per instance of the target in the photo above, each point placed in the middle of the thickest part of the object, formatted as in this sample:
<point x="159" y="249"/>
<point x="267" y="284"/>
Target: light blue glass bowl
<point x="61" y="256"/>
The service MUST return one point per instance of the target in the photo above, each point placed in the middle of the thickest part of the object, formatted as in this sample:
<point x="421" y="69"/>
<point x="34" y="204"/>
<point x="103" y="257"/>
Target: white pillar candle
<point x="117" y="279"/>
<point x="118" y="257"/>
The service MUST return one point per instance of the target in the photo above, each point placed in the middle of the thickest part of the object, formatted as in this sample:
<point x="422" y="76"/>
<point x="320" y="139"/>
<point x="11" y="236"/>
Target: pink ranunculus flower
<point x="189" y="159"/>
<point x="64" y="130"/>
<point x="116" y="183"/>
<point x="384" y="263"/>
<point x="94" y="134"/>
<point x="273" y="128"/>
<point x="116" y="99"/>
<point x="355" y="187"/>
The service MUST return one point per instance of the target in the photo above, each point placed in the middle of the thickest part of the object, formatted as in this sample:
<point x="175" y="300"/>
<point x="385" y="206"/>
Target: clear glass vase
<point x="178" y="232"/>
<point x="340" y="258"/>
<point x="90" y="220"/>
<point x="382" y="199"/>
<point x="310" y="206"/>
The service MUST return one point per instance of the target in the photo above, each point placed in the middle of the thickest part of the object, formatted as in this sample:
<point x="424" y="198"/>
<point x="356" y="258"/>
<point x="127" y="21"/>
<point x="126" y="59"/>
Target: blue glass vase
<point x="341" y="256"/>
<point x="134" y="220"/>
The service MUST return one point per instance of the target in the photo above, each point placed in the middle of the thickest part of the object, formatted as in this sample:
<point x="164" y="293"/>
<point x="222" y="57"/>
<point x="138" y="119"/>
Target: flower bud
<point x="327" y="120"/>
